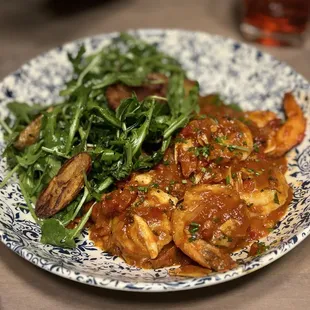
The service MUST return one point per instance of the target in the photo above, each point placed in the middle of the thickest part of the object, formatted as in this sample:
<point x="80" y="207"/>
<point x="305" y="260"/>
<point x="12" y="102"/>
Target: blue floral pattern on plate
<point x="239" y="72"/>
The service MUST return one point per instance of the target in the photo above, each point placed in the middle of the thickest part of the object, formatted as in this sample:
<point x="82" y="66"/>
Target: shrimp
<point x="263" y="192"/>
<point x="212" y="140"/>
<point x="146" y="228"/>
<point x="293" y="130"/>
<point x="199" y="228"/>
<point x="261" y="118"/>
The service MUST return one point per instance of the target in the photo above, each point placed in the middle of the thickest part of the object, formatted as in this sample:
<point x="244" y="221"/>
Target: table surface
<point x="30" y="27"/>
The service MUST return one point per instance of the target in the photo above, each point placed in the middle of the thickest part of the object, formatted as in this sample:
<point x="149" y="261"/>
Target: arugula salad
<point x="73" y="151"/>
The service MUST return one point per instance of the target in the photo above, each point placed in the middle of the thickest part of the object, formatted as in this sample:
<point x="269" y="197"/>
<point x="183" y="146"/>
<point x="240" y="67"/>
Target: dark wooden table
<point x="29" y="27"/>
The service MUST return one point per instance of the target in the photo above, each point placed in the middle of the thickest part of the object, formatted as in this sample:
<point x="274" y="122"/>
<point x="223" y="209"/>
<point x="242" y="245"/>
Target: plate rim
<point x="268" y="257"/>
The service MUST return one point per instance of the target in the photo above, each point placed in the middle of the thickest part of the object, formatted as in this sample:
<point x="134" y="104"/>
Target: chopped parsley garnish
<point x="220" y="139"/>
<point x="192" y="238"/>
<point x="254" y="171"/>
<point x="215" y="220"/>
<point x="193" y="229"/>
<point x="256" y="147"/>
<point x="276" y="198"/>
<point x="143" y="189"/>
<point x="166" y="162"/>
<point x="193" y="179"/>
<point x="227" y="180"/>
<point x="203" y="151"/>
<point x="261" y="248"/>
<point x="218" y="159"/>
<point x="139" y="202"/>
<point x="233" y="147"/>
<point x="184" y="181"/>
<point x="194" y="224"/>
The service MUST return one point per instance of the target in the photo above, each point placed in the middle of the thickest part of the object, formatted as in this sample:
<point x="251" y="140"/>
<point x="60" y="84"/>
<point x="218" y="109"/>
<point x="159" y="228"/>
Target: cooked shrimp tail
<point x="291" y="132"/>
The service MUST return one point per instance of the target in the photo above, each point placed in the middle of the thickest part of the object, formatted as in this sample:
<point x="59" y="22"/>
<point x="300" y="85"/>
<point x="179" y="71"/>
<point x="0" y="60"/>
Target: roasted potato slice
<point x="64" y="187"/>
<point x="29" y="135"/>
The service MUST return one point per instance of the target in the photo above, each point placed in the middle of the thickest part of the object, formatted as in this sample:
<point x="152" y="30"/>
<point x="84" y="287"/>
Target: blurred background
<point x="29" y="27"/>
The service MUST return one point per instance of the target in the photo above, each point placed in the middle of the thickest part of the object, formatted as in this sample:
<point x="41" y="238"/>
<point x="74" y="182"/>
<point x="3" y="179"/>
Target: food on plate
<point x="216" y="191"/>
<point x="159" y="174"/>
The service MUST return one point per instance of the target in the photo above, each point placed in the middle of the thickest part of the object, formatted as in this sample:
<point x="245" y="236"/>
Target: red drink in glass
<point x="275" y="22"/>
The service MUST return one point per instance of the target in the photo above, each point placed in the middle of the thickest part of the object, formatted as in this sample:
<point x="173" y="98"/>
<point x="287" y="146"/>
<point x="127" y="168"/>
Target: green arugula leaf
<point x="24" y="111"/>
<point x="79" y="108"/>
<point x="176" y="94"/>
<point x="78" y="59"/>
<point x="105" y="113"/>
<point x="138" y="135"/>
<point x="30" y="155"/>
<point x="55" y="233"/>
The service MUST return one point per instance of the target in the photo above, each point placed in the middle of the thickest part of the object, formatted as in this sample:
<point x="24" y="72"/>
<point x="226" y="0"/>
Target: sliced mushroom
<point x="64" y="187"/>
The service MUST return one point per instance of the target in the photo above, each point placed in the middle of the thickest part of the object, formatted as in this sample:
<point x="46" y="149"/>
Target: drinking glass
<point x="275" y="22"/>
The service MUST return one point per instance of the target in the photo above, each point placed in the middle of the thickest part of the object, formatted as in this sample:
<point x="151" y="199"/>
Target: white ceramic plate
<point x="239" y="72"/>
